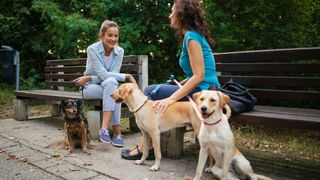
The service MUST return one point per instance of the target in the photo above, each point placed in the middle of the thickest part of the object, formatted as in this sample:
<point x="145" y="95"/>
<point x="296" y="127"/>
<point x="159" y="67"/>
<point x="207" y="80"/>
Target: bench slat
<point x="281" y="55"/>
<point x="54" y="95"/>
<point x="280" y="118"/>
<point x="286" y="95"/>
<point x="288" y="111"/>
<point x="301" y="82"/>
<point x="62" y="76"/>
<point x="128" y="68"/>
<point x="268" y="67"/>
<point x="60" y="83"/>
<point x="82" y="61"/>
<point x="69" y="69"/>
<point x="275" y="120"/>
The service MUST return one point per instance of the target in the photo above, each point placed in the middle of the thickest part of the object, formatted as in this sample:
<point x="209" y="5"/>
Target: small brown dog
<point x="75" y="126"/>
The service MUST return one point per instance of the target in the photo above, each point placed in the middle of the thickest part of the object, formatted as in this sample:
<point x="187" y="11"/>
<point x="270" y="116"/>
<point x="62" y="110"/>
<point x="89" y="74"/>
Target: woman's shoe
<point x="125" y="154"/>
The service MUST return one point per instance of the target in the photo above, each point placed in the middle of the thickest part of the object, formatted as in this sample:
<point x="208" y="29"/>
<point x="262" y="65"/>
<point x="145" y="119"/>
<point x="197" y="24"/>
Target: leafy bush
<point x="33" y="81"/>
<point x="51" y="29"/>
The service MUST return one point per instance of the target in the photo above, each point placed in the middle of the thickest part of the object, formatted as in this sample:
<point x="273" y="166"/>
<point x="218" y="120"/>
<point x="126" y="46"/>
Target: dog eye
<point x="201" y="99"/>
<point x="212" y="100"/>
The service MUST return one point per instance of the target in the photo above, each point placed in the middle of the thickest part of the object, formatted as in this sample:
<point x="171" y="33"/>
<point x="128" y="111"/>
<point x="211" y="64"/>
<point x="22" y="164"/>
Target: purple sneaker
<point x="104" y="135"/>
<point x="117" y="141"/>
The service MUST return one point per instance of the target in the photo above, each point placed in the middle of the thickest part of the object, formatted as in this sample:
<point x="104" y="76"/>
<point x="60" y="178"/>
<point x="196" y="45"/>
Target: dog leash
<point x="195" y="106"/>
<point x="81" y="89"/>
<point x="82" y="104"/>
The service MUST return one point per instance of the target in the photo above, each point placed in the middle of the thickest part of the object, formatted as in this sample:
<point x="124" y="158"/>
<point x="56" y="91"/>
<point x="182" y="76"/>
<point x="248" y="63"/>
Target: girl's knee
<point x="109" y="82"/>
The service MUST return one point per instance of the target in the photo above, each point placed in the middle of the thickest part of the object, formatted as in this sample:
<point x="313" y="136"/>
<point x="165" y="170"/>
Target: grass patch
<point x="6" y="101"/>
<point x="293" y="143"/>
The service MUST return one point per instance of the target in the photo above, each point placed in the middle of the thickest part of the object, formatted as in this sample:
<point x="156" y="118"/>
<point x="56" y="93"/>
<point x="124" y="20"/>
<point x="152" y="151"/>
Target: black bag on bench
<point x="241" y="100"/>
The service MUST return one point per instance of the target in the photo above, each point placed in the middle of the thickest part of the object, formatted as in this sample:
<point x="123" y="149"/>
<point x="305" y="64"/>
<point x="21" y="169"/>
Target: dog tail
<point x="228" y="110"/>
<point x="259" y="177"/>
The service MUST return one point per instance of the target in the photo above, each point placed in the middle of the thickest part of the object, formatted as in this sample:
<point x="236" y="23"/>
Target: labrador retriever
<point x="151" y="123"/>
<point x="216" y="138"/>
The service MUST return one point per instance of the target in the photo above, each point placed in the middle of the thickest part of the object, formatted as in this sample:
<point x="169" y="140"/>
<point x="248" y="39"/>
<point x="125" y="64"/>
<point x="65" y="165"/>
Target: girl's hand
<point x="161" y="106"/>
<point x="81" y="81"/>
<point x="130" y="78"/>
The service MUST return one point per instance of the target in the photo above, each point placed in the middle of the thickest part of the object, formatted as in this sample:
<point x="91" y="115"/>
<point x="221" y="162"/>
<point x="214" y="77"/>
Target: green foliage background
<point x="51" y="29"/>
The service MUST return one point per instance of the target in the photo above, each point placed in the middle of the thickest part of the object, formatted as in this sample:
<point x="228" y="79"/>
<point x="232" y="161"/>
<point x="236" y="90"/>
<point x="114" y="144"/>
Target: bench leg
<point x="94" y="122"/>
<point x="20" y="111"/>
<point x="133" y="124"/>
<point x="172" y="143"/>
<point x="55" y="110"/>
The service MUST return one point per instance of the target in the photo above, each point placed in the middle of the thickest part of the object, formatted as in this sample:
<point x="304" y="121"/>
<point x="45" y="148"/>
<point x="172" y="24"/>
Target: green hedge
<point x="50" y="29"/>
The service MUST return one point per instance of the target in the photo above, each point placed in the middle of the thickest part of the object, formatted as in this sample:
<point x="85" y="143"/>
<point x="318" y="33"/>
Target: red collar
<point x="212" y="123"/>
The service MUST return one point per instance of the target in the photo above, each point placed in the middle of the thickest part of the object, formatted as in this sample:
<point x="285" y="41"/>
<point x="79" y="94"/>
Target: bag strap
<point x="235" y="85"/>
<point x="239" y="92"/>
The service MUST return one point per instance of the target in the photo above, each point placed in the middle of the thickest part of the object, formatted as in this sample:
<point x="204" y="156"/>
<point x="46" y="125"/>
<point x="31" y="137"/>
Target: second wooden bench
<point x="58" y="79"/>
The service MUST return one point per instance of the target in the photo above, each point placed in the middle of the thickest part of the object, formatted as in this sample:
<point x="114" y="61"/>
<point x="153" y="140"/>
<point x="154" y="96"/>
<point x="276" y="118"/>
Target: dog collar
<point x="204" y="122"/>
<point x="140" y="106"/>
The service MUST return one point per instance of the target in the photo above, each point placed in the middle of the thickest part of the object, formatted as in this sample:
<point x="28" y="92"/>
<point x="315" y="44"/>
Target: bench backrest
<point x="60" y="73"/>
<point x="276" y="75"/>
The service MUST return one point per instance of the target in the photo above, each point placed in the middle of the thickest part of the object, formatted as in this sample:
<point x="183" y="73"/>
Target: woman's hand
<point x="130" y="78"/>
<point x="161" y="106"/>
<point x="81" y="81"/>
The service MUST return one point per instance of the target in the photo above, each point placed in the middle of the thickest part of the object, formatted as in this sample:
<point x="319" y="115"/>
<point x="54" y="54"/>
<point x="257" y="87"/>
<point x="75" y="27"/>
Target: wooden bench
<point x="58" y="78"/>
<point x="280" y="79"/>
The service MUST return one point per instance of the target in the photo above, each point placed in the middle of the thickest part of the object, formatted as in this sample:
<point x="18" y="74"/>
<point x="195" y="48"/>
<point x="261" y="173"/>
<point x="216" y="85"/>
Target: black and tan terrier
<point x="75" y="126"/>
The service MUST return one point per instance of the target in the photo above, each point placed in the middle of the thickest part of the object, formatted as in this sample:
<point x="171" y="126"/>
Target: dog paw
<point x="208" y="170"/>
<point x="154" y="168"/>
<point x="138" y="162"/>
<point x="85" y="151"/>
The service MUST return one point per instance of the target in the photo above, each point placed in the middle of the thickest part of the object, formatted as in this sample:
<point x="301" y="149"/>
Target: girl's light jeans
<point x="103" y="91"/>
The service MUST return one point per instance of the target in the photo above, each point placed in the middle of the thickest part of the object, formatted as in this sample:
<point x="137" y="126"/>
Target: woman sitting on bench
<point x="104" y="60"/>
<point x="196" y="60"/>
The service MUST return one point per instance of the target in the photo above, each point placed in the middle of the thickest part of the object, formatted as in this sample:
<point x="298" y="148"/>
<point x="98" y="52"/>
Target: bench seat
<point x="301" y="118"/>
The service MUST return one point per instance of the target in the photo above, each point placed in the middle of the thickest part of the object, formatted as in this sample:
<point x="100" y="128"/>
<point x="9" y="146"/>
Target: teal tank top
<point x="210" y="75"/>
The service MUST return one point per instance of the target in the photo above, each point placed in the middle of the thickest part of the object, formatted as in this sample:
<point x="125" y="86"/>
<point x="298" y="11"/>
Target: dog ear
<point x="79" y="103"/>
<point x="127" y="90"/>
<point x="195" y="96"/>
<point x="223" y="99"/>
<point x="62" y="104"/>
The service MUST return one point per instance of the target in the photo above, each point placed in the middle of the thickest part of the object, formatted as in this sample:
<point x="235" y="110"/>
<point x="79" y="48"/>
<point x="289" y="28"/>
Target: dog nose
<point x="203" y="109"/>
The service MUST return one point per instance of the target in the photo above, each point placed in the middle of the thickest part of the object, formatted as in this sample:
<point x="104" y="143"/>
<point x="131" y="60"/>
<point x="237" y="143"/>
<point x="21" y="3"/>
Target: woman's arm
<point x="183" y="81"/>
<point x="197" y="66"/>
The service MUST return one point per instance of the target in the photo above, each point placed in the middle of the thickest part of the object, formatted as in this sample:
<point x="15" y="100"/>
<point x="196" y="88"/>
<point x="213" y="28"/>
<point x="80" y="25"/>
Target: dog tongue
<point x="205" y="115"/>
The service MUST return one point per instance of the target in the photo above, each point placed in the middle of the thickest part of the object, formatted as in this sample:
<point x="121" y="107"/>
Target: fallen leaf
<point x="87" y="164"/>
<point x="75" y="169"/>
<point x="11" y="138"/>
<point x="56" y="155"/>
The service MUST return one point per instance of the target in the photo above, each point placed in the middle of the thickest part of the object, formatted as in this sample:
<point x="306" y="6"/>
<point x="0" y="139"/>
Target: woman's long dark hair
<point x="190" y="16"/>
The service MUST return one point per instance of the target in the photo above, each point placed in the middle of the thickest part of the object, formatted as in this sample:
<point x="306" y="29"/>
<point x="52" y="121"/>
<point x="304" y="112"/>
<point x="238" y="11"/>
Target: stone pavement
<point x="29" y="141"/>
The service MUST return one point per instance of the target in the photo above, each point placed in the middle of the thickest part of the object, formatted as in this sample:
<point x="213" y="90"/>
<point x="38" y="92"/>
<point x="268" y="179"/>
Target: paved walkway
<point x="29" y="141"/>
